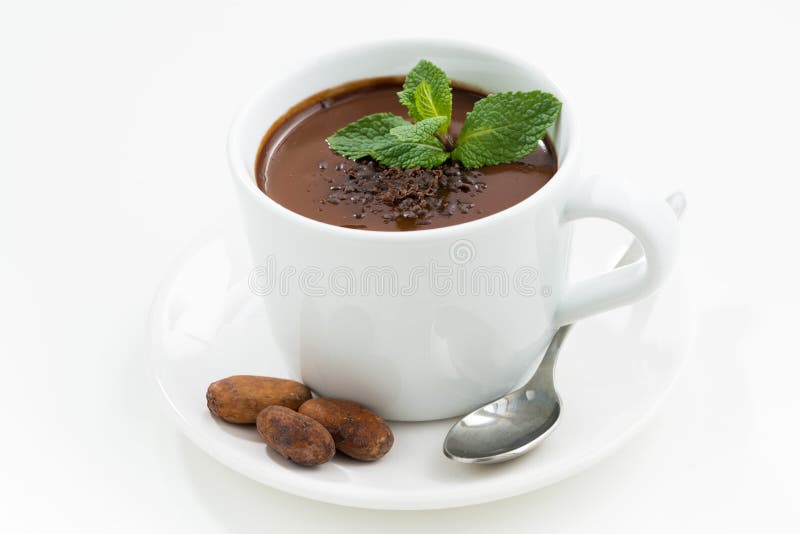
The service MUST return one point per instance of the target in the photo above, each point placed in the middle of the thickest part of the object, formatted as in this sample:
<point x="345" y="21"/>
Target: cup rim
<point x="567" y="162"/>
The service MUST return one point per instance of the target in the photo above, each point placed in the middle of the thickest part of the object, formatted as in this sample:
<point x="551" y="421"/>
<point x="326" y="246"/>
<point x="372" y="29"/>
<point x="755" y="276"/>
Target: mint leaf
<point x="426" y="93"/>
<point x="358" y="139"/>
<point x="407" y="154"/>
<point x="504" y="127"/>
<point x="419" y="131"/>
<point x="426" y="106"/>
<point x="371" y="136"/>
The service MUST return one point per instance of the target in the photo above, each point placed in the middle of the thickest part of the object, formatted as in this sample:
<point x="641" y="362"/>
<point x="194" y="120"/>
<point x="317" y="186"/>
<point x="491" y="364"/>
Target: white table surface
<point x="113" y="118"/>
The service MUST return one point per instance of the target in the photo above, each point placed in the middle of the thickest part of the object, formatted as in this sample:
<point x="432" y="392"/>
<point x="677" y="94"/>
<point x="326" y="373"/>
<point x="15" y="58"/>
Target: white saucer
<point x="614" y="371"/>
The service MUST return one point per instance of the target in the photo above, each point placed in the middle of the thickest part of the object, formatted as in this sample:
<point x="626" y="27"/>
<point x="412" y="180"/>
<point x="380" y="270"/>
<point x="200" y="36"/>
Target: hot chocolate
<point x="297" y="168"/>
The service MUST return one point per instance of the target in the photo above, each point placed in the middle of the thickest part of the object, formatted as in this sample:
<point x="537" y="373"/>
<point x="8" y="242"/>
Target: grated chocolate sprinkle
<point x="411" y="195"/>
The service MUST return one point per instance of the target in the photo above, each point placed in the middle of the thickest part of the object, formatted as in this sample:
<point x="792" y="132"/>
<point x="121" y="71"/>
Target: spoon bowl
<point x="511" y="425"/>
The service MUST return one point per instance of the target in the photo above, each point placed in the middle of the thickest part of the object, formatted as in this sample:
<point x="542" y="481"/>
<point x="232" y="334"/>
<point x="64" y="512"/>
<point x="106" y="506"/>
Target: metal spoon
<point x="513" y="425"/>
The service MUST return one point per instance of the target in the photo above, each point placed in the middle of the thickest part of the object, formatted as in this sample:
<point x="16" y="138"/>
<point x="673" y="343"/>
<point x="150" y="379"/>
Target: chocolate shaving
<point x="412" y="196"/>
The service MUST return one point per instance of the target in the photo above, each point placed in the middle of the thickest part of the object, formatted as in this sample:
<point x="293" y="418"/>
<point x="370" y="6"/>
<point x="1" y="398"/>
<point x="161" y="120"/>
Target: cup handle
<point x="652" y="223"/>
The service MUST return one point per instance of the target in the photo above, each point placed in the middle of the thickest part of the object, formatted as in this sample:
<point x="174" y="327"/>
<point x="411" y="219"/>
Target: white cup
<point x="432" y="323"/>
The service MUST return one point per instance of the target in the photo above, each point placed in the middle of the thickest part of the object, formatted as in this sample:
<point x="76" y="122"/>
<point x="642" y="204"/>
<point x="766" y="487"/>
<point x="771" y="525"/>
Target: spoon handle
<point x="677" y="201"/>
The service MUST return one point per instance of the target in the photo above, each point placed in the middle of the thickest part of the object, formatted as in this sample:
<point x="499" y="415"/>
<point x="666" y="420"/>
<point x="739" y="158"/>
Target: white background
<point x="113" y="118"/>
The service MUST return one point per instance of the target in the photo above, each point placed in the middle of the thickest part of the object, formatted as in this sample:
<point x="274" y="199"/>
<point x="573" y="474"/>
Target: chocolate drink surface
<point x="297" y="169"/>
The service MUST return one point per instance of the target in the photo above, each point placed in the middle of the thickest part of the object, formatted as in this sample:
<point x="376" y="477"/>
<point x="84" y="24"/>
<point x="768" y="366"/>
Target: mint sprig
<point x="501" y="128"/>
